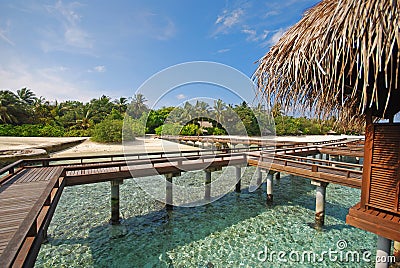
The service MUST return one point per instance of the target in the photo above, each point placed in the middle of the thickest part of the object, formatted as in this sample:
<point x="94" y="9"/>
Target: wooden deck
<point x="28" y="199"/>
<point x="376" y="221"/>
<point x="30" y="189"/>
<point x="29" y="193"/>
<point x="315" y="169"/>
<point x="249" y="141"/>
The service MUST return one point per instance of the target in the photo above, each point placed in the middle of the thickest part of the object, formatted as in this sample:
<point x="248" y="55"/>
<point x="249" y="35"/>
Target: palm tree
<point x="26" y="95"/>
<point x="42" y="110"/>
<point x="10" y="107"/>
<point x="188" y="112"/>
<point x="219" y="107"/>
<point x="137" y="106"/>
<point x="122" y="104"/>
<point x="84" y="115"/>
<point x="202" y="109"/>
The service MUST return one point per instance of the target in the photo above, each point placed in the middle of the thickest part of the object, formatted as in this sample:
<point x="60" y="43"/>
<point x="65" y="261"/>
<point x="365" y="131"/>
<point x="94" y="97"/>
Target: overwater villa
<point x="342" y="59"/>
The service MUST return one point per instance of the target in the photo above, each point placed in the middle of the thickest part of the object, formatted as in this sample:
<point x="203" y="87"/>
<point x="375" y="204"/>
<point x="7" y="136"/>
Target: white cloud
<point x="51" y="83"/>
<point x="99" y="69"/>
<point x="253" y="36"/>
<point x="271" y="13"/>
<point x="227" y="20"/>
<point x="4" y="32"/>
<point x="275" y="37"/>
<point x="151" y="25"/>
<point x="180" y="97"/>
<point x="224" y="50"/>
<point x="73" y="34"/>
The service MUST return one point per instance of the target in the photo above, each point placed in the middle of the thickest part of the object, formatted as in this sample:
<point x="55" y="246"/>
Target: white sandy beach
<point x="141" y="145"/>
<point x="22" y="143"/>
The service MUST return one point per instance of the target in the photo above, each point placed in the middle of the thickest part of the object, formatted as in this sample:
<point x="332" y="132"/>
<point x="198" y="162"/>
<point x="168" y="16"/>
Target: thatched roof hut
<point x="341" y="59"/>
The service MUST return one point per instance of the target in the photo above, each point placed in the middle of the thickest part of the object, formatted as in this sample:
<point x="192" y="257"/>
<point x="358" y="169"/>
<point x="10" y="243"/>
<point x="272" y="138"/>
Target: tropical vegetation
<point x="103" y="119"/>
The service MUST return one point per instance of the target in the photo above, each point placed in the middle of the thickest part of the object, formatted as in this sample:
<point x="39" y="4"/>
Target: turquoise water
<point x="238" y="230"/>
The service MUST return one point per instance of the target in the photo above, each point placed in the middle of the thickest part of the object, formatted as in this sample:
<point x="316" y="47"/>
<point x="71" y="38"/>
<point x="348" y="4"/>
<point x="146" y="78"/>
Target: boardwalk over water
<point x="30" y="189"/>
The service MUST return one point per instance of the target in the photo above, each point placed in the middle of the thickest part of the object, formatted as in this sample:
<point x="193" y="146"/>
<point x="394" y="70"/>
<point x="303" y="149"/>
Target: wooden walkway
<point x="28" y="199"/>
<point x="30" y="189"/>
<point x="315" y="169"/>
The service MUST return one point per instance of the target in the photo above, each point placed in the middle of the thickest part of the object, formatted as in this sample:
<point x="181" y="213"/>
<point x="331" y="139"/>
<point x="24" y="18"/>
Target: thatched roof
<point x="341" y="58"/>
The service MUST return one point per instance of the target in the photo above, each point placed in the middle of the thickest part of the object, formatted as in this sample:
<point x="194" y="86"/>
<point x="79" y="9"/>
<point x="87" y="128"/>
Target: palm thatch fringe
<point x="337" y="60"/>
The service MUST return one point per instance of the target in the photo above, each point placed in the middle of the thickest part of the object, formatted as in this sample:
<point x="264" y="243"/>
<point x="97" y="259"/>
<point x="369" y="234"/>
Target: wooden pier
<point x="30" y="189"/>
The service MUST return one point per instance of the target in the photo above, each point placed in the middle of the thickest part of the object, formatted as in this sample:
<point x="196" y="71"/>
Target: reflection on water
<point x="227" y="233"/>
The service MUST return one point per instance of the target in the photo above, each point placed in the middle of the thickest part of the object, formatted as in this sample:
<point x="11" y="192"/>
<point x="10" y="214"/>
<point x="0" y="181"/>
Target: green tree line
<point x="24" y="114"/>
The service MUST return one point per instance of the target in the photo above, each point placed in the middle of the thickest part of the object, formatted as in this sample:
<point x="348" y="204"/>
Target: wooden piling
<point x="320" y="200"/>
<point x="259" y="177"/>
<point x="168" y="191"/>
<point x="115" y="215"/>
<point x="277" y="176"/>
<point x="382" y="252"/>
<point x="238" y="179"/>
<point x="396" y="251"/>
<point x="207" y="193"/>
<point x="270" y="197"/>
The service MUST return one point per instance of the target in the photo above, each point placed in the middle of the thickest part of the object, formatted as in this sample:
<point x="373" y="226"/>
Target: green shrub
<point x="77" y="133"/>
<point x="108" y="131"/>
<point x="51" y="131"/>
<point x="189" y="130"/>
<point x="30" y="130"/>
<point x="168" y="129"/>
<point x="215" y="131"/>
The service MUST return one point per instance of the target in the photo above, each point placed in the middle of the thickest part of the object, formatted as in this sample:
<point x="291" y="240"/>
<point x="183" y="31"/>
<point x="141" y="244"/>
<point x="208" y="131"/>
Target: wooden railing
<point x="8" y="171"/>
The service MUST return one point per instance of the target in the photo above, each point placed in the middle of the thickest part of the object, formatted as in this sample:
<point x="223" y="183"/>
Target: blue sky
<point x="83" y="49"/>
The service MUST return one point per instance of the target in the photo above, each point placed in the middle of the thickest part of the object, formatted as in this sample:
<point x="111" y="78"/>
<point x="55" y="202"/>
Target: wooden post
<point x="207" y="193"/>
<point x="369" y="136"/>
<point x="270" y="196"/>
<point x="168" y="191"/>
<point x="238" y="179"/>
<point x="320" y="201"/>
<point x="259" y="177"/>
<point x="396" y="251"/>
<point x="115" y="218"/>
<point x="382" y="252"/>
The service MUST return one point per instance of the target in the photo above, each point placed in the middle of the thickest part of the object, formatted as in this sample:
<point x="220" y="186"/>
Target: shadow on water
<point x="143" y="241"/>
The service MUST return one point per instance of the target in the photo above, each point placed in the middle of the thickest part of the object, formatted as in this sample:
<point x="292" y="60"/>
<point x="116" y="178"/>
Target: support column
<point x="382" y="252"/>
<point x="115" y="218"/>
<point x="238" y="179"/>
<point x="320" y="201"/>
<point x="396" y="251"/>
<point x="259" y="177"/>
<point x="207" y="193"/>
<point x="270" y="197"/>
<point x="168" y="191"/>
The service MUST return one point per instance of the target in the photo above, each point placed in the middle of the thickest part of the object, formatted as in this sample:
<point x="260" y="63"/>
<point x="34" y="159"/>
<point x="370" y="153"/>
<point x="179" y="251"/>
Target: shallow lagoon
<point x="234" y="231"/>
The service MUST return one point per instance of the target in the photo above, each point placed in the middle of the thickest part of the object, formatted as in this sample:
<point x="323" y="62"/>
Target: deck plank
<point x="18" y="196"/>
